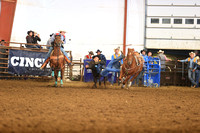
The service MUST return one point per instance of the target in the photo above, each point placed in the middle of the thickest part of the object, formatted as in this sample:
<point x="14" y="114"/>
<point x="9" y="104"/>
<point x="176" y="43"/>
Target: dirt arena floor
<point x="35" y="106"/>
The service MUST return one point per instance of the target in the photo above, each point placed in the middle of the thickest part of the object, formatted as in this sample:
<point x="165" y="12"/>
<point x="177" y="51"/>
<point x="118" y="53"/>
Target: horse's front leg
<point x="56" y="78"/>
<point x="95" y="83"/>
<point x="121" y="76"/>
<point x="125" y="81"/>
<point x="62" y="74"/>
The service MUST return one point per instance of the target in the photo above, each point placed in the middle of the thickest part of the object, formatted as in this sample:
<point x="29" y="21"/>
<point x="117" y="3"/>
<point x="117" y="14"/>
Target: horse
<point x="57" y="60"/>
<point x="132" y="66"/>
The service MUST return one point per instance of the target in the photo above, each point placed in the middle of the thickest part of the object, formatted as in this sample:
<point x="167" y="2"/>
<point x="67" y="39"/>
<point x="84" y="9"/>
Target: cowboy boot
<point x="45" y="63"/>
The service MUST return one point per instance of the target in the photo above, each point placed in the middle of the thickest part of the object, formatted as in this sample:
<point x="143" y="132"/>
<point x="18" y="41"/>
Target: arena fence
<point x="4" y="52"/>
<point x="175" y="74"/>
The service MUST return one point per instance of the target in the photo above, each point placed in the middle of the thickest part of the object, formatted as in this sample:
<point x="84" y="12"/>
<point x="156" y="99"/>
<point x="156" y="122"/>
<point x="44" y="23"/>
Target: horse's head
<point x="130" y="56"/>
<point x="57" y="41"/>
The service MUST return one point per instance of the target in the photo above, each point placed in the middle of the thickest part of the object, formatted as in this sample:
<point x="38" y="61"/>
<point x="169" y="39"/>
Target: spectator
<point x="49" y="41"/>
<point x="163" y="59"/>
<point x="191" y="67"/>
<point x="29" y="39"/>
<point x="116" y="65"/>
<point x="36" y="38"/>
<point x="2" y="43"/>
<point x="89" y="56"/>
<point x="2" y="55"/>
<point x="197" y="71"/>
<point x="140" y="76"/>
<point x="150" y="58"/>
<point x="102" y="58"/>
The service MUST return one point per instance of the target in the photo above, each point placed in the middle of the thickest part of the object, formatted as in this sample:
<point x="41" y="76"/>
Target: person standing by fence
<point x="197" y="71"/>
<point x="102" y="58"/>
<point x="116" y="65"/>
<point x="191" y="68"/>
<point x="163" y="59"/>
<point x="140" y="76"/>
<point x="89" y="56"/>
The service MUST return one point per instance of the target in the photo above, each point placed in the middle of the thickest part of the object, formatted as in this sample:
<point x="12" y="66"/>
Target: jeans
<point x="117" y="66"/>
<point x="50" y="50"/>
<point x="109" y="68"/>
<point x="191" y="76"/>
<point x="31" y="46"/>
<point x="140" y="76"/>
<point x="197" y="72"/>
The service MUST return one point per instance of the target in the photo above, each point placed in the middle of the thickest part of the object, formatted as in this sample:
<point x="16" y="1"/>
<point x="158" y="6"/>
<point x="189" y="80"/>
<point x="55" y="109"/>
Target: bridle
<point x="127" y="70"/>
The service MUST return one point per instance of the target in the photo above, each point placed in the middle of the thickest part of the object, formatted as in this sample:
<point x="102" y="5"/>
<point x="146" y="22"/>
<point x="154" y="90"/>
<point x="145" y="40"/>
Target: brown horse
<point x="132" y="66"/>
<point x="57" y="60"/>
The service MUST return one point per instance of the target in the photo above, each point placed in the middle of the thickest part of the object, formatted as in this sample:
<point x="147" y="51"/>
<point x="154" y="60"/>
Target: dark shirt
<point x="29" y="39"/>
<point x="95" y="67"/>
<point x="103" y="59"/>
<point x="35" y="39"/>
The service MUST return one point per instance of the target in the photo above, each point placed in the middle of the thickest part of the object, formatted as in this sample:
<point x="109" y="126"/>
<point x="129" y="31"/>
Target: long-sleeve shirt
<point x="112" y="58"/>
<point x="145" y="57"/>
<point x="35" y="39"/>
<point x="29" y="39"/>
<point x="62" y="38"/>
<point x="191" y="62"/>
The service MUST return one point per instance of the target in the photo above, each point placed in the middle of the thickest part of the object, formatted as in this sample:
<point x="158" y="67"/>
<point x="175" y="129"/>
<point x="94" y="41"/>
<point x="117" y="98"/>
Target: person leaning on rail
<point x="29" y="39"/>
<point x="163" y="58"/>
<point x="191" y="67"/>
<point x="36" y="38"/>
<point x="47" y="58"/>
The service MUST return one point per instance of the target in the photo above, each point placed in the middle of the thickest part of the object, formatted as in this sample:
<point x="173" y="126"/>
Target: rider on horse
<point x="47" y="58"/>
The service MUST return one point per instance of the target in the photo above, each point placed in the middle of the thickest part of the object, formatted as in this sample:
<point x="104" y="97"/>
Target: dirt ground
<point x="35" y="106"/>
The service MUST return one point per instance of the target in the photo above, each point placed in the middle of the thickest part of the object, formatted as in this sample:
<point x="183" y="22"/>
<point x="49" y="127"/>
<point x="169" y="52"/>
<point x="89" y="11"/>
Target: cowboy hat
<point x="98" y="51"/>
<point x="30" y="32"/>
<point x="95" y="56"/>
<point x="90" y="52"/>
<point x="192" y="53"/>
<point x="117" y="48"/>
<point x="143" y="50"/>
<point x="62" y="31"/>
<point x="160" y="51"/>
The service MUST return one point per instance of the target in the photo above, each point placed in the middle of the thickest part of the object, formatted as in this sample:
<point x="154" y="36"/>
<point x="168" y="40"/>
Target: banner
<point x="23" y="62"/>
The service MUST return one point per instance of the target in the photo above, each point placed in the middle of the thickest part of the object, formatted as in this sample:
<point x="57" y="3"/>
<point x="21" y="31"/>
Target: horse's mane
<point x="57" y="39"/>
